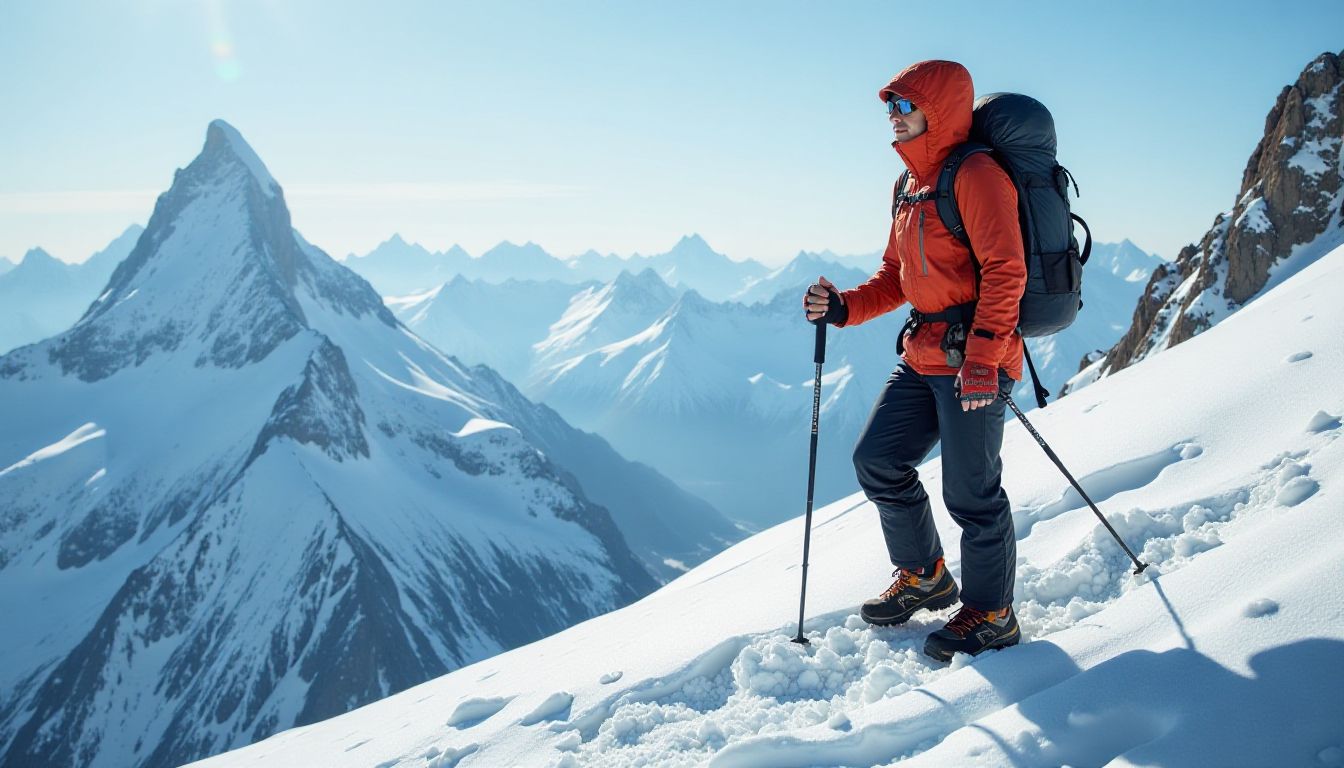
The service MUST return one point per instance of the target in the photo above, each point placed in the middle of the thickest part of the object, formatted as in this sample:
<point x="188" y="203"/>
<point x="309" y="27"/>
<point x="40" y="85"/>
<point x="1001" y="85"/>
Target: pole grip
<point x="819" y="356"/>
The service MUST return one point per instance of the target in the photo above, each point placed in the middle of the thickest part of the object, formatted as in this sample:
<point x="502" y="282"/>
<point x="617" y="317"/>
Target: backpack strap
<point x="948" y="210"/>
<point x="900" y="196"/>
<point x="1087" y="246"/>
<point x="1041" y="391"/>
<point x="950" y="214"/>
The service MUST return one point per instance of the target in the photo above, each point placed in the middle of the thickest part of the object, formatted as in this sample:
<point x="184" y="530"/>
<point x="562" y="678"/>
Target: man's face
<point x="907" y="127"/>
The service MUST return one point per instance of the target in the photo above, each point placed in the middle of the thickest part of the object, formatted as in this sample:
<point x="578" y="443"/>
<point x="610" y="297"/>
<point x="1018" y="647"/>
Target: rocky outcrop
<point x="1287" y="210"/>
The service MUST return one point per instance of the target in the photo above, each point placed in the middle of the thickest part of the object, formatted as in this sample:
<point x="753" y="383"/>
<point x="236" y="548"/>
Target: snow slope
<point x="1229" y="650"/>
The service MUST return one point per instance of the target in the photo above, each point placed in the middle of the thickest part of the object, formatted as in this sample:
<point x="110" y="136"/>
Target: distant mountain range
<point x="43" y="296"/>
<point x="397" y="268"/>
<point x="725" y="385"/>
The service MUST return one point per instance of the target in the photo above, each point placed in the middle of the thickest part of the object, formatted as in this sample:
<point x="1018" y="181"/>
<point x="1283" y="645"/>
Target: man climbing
<point x="960" y="351"/>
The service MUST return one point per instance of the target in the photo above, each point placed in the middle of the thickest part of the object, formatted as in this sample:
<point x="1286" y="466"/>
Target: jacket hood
<point x="943" y="91"/>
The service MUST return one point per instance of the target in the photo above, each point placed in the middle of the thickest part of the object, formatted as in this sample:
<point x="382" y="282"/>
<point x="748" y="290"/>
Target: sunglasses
<point x="904" y="106"/>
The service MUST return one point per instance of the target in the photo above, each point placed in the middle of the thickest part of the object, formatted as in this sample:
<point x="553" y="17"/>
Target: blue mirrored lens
<point x="902" y="105"/>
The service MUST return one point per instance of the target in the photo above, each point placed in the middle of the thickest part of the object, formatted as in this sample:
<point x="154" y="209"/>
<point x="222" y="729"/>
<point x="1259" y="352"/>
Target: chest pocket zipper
<point x="922" y="262"/>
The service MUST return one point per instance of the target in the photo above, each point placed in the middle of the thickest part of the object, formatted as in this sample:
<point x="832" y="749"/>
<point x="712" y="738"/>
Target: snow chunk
<point x="1297" y="357"/>
<point x="553" y="707"/>
<point x="473" y="711"/>
<point x="1296" y="491"/>
<point x="1322" y="422"/>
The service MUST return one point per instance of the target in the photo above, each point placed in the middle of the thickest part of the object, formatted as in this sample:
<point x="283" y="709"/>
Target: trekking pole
<point x="818" y="357"/>
<point x="1138" y="566"/>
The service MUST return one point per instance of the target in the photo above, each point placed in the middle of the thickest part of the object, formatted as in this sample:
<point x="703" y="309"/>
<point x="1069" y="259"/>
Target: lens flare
<point x="227" y="67"/>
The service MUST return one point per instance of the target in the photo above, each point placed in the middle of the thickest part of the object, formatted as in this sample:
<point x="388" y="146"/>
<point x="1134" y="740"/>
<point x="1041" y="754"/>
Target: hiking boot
<point x="972" y="631"/>
<point x="910" y="592"/>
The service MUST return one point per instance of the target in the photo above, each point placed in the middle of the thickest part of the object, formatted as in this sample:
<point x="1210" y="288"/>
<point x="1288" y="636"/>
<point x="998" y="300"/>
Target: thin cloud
<point x="405" y="192"/>
<point x="78" y="201"/>
<point x="141" y="200"/>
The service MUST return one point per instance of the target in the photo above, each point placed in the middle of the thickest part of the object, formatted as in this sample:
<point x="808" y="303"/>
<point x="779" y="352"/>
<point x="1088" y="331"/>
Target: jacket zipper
<point x="923" y="264"/>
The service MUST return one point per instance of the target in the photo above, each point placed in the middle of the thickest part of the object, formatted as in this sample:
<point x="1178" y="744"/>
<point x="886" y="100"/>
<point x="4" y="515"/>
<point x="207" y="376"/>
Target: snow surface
<point x="1229" y="650"/>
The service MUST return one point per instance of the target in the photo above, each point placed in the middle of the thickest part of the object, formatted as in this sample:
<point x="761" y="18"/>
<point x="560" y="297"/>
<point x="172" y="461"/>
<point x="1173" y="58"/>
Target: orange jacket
<point x="923" y="263"/>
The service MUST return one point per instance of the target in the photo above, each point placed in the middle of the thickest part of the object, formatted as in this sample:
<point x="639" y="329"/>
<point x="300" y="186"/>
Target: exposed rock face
<point x="1287" y="213"/>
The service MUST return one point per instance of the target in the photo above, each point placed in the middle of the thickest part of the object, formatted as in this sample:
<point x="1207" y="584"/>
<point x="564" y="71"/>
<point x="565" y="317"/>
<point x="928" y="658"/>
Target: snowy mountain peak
<point x="694" y="246"/>
<point x="691" y="300"/>
<point x="646" y="281"/>
<point x="225" y="140"/>
<point x="511" y="250"/>
<point x="219" y="269"/>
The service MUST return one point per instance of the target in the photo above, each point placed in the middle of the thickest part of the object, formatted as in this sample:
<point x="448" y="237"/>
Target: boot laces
<point x="904" y="579"/>
<point x="966" y="620"/>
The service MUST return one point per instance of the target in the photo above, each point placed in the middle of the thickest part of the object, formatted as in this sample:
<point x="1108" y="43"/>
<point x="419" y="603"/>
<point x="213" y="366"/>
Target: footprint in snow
<point x="1257" y="608"/>
<point x="1104" y="483"/>
<point x="449" y="757"/>
<point x="1297" y="357"/>
<point x="610" y="677"/>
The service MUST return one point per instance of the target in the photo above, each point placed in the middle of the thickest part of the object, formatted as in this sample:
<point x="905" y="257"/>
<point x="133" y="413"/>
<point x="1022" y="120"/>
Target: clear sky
<point x="617" y="126"/>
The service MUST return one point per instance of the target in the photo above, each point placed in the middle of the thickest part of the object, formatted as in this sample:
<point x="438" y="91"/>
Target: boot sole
<point x="935" y="603"/>
<point x="1003" y="642"/>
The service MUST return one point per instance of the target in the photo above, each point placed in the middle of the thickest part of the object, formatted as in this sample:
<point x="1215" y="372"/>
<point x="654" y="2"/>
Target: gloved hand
<point x="977" y="384"/>
<point x="823" y="303"/>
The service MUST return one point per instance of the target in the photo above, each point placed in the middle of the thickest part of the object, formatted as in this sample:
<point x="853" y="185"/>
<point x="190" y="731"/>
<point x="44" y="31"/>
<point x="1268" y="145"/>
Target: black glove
<point x="836" y="311"/>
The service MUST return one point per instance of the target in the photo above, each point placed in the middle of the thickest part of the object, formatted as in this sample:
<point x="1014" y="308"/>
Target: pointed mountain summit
<point x="38" y="261"/>
<point x="216" y="274"/>
<point x="692" y="263"/>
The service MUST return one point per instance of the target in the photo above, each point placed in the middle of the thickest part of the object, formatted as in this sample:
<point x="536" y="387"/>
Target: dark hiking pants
<point x="912" y="413"/>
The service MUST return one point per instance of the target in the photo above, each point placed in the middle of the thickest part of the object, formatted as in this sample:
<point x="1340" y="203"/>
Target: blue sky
<point x="617" y="126"/>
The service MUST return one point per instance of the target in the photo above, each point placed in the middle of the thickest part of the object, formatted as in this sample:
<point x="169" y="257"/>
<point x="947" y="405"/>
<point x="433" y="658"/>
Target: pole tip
<point x="801" y="640"/>
<point x="1139" y="569"/>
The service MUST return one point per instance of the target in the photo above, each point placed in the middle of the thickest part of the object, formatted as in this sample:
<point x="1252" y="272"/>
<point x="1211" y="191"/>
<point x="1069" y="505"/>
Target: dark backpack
<point x="1019" y="133"/>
